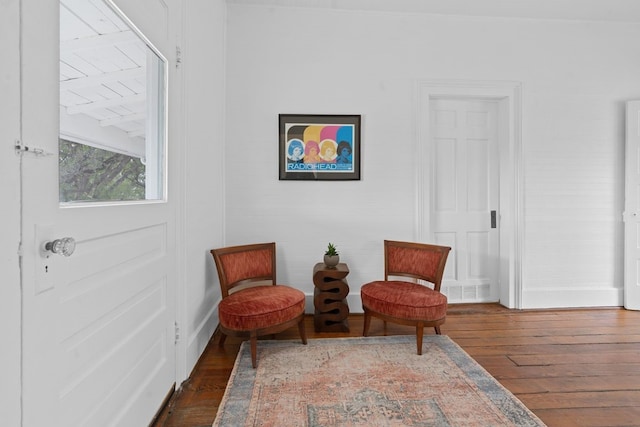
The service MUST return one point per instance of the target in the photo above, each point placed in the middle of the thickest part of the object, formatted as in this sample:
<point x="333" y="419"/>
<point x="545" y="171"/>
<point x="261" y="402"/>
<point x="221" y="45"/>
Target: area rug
<point x="372" y="381"/>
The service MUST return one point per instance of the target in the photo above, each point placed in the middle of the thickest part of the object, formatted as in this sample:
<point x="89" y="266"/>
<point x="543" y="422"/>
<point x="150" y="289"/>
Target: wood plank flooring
<point x="577" y="367"/>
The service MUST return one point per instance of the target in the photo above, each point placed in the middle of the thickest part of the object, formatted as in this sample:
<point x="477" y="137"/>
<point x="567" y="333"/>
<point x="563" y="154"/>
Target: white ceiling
<point x="102" y="78"/>
<point x="103" y="62"/>
<point x="583" y="10"/>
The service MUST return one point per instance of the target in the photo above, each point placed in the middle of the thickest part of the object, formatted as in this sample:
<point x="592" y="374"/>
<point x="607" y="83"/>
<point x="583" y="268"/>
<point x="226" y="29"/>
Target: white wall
<point x="203" y="192"/>
<point x="575" y="76"/>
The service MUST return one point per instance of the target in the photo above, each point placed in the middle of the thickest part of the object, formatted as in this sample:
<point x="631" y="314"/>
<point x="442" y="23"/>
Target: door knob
<point x="64" y="246"/>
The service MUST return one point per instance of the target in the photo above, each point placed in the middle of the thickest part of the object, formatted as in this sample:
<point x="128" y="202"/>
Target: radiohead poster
<point x="319" y="147"/>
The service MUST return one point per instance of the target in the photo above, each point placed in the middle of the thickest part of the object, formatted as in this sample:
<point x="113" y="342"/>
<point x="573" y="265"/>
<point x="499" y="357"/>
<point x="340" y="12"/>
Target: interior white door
<point x="465" y="199"/>
<point x="10" y="314"/>
<point x="98" y="326"/>
<point x="632" y="209"/>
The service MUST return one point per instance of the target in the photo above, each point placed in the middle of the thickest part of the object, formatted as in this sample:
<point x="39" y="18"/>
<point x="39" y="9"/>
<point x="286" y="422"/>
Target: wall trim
<point x="571" y="297"/>
<point x="197" y="341"/>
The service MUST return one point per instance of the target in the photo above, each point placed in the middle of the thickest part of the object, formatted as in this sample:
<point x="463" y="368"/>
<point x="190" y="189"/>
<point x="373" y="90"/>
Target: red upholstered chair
<point x="408" y="302"/>
<point x="252" y="303"/>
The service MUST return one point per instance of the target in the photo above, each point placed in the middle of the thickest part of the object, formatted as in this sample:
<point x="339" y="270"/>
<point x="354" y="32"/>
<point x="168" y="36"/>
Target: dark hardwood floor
<point x="577" y="367"/>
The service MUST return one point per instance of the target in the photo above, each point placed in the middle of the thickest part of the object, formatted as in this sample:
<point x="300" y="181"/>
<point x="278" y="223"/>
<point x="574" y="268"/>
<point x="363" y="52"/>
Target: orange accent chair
<point x="405" y="302"/>
<point x="252" y="303"/>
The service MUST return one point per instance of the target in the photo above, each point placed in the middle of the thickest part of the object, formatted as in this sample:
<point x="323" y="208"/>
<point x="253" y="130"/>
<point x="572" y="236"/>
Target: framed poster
<point x="319" y="147"/>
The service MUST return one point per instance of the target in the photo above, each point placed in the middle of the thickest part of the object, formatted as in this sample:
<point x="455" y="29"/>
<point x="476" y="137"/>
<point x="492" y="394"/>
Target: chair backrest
<point x="417" y="260"/>
<point x="240" y="265"/>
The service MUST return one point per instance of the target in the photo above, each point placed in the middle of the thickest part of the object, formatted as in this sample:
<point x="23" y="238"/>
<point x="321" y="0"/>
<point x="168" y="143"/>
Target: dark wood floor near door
<point x="578" y="367"/>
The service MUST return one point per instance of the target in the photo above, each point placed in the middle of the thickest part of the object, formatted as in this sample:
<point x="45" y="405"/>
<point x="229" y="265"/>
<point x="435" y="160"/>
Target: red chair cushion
<point x="405" y="300"/>
<point x="260" y="307"/>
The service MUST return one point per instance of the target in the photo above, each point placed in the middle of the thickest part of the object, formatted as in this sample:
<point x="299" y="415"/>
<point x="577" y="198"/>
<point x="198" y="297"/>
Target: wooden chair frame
<point x="435" y="279"/>
<point x="227" y="287"/>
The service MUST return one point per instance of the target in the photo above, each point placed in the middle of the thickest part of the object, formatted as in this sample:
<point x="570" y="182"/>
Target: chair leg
<point x="367" y="323"/>
<point x="223" y="338"/>
<point x="302" y="330"/>
<point x="419" y="333"/>
<point x="254" y="349"/>
<point x="437" y="328"/>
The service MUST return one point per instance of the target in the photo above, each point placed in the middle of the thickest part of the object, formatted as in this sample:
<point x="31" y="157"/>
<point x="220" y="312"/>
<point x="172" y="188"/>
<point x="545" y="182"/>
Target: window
<point x="112" y="108"/>
<point x="93" y="174"/>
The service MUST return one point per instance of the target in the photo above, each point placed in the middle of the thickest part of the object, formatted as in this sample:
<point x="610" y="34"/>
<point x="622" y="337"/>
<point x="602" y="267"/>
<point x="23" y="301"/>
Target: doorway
<point x="468" y="203"/>
<point x="464" y="136"/>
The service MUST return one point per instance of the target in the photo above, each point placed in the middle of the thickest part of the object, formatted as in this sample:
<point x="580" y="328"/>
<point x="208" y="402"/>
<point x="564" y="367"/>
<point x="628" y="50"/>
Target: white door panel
<point x="466" y="176"/>
<point x="10" y="298"/>
<point x="632" y="209"/>
<point x="98" y="327"/>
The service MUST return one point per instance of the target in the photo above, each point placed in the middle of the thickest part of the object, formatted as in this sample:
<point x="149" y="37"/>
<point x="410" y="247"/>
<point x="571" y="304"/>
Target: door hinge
<point x="22" y="148"/>
<point x="178" y="56"/>
<point x="177" y="332"/>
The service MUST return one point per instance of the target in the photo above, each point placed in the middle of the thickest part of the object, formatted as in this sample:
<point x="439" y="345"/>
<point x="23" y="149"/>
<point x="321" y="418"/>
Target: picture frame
<point x="320" y="147"/>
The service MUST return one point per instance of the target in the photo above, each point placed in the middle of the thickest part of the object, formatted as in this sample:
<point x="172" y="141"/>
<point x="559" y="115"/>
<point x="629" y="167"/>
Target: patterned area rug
<point x="374" y="381"/>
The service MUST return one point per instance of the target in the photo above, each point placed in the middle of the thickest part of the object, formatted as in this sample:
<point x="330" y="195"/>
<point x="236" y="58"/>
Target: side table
<point x="329" y="298"/>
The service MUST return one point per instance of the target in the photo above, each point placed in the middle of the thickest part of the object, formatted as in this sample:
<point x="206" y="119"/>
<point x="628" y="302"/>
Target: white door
<point x="98" y="328"/>
<point x="465" y="197"/>
<point x="10" y="315"/>
<point x="632" y="209"/>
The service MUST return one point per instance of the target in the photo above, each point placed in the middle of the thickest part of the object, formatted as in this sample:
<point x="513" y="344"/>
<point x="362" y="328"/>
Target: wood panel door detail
<point x="98" y="326"/>
<point x="465" y="197"/>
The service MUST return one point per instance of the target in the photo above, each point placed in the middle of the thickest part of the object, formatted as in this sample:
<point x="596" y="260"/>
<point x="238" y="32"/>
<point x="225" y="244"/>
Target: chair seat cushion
<point x="260" y="307"/>
<point x="405" y="300"/>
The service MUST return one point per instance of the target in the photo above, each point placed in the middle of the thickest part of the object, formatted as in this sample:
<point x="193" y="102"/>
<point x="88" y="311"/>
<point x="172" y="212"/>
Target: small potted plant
<point x="331" y="256"/>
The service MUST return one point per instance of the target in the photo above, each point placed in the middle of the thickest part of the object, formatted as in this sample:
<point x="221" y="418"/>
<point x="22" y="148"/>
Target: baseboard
<point x="571" y="298"/>
<point x="531" y="298"/>
<point x="200" y="337"/>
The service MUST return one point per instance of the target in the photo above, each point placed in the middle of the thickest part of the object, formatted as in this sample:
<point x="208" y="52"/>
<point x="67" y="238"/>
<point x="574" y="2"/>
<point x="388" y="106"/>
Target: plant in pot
<point x="331" y="256"/>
